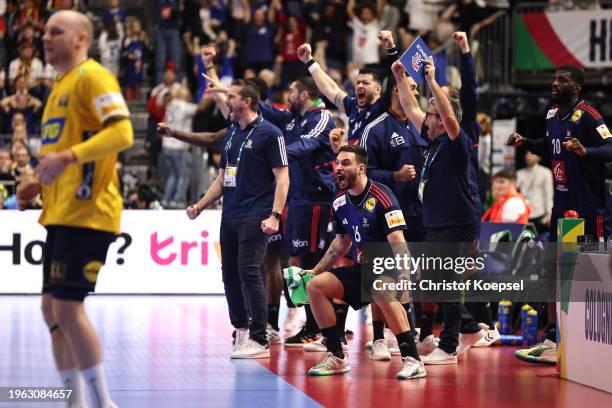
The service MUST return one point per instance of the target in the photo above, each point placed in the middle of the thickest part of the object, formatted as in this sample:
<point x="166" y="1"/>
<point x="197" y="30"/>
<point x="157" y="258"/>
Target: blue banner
<point x="413" y="59"/>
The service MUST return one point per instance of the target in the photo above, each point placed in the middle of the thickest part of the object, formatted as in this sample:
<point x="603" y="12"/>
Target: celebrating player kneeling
<point x="367" y="212"/>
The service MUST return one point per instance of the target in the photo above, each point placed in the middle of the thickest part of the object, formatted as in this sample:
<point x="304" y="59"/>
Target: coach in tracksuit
<point x="306" y="130"/>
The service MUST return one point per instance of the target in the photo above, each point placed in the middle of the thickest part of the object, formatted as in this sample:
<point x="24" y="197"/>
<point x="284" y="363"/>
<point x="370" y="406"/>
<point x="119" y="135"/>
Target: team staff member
<point x="253" y="180"/>
<point x="366" y="212"/>
<point x="84" y="125"/>
<point x="306" y="130"/>
<point x="448" y="212"/>
<point x="366" y="105"/>
<point x="579" y="144"/>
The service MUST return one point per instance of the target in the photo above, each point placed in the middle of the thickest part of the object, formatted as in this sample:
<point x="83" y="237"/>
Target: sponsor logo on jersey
<point x="558" y="170"/>
<point x="370" y="204"/>
<point x="395" y="218"/>
<point x="576" y="115"/>
<point x="603" y="131"/>
<point x="344" y="221"/>
<point x="51" y="130"/>
<point x="90" y="271"/>
<point x="299" y="244"/>
<point x="339" y="202"/>
<point x="109" y="105"/>
<point x="291" y="124"/>
<point x="551" y="113"/>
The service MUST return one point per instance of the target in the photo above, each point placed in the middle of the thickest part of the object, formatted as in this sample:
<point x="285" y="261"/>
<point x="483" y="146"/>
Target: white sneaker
<point x="439" y="356"/>
<point x="491" y="337"/>
<point x="252" y="349"/>
<point x="467" y="340"/>
<point x="273" y="335"/>
<point x="319" y="346"/>
<point x="412" y="369"/>
<point x="541" y="353"/>
<point x="427" y="346"/>
<point x="242" y="337"/>
<point x="331" y="365"/>
<point x="291" y="319"/>
<point x="380" y="351"/>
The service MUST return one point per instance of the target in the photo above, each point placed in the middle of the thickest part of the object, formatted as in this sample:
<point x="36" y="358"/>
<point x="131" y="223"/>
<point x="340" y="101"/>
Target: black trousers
<point x="243" y="248"/>
<point x="464" y="236"/>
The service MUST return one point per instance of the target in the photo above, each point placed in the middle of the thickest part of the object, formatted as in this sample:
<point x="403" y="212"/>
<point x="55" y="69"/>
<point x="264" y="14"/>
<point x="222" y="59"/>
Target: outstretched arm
<point x="326" y="85"/>
<point x="450" y="122"/>
<point x="203" y="139"/>
<point x="409" y="102"/>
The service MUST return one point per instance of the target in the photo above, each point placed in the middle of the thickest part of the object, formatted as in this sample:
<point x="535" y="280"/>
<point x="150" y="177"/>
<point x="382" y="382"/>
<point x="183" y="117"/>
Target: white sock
<point x="96" y="383"/>
<point x="71" y="379"/>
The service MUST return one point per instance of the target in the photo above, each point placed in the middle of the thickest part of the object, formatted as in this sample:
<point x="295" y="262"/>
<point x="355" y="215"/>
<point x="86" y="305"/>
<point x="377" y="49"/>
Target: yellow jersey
<point x="84" y="195"/>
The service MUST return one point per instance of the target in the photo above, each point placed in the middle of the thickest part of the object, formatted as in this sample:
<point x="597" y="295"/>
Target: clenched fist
<point x="304" y="52"/>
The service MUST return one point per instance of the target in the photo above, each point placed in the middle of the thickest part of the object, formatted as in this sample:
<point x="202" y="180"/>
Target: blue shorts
<point x="306" y="230"/>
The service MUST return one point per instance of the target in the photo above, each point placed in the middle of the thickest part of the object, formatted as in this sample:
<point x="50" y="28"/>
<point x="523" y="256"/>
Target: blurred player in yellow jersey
<point x="85" y="124"/>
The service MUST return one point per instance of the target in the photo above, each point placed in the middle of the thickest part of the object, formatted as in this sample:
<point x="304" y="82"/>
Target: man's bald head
<point x="76" y="21"/>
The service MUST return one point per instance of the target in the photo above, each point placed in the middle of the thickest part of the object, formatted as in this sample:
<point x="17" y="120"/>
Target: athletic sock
<point x="341" y="312"/>
<point x="410" y="315"/>
<point x="311" y="323"/>
<point x="551" y="333"/>
<point x="96" y="383"/>
<point x="72" y="380"/>
<point x="407" y="345"/>
<point x="427" y="321"/>
<point x="378" y="327"/>
<point x="332" y="341"/>
<point x="273" y="315"/>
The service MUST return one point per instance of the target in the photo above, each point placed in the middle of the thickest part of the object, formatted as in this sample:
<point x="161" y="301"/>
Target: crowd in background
<point x="253" y="38"/>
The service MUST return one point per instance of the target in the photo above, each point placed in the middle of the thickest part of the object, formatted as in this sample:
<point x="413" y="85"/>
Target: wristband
<point x="392" y="51"/>
<point x="309" y="62"/>
<point x="313" y="67"/>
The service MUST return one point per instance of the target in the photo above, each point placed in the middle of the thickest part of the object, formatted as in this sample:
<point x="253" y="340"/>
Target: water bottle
<point x="504" y="316"/>
<point x="524" y="326"/>
<point x="531" y="336"/>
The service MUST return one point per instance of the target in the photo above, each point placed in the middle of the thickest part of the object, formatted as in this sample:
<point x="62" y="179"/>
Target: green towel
<point x="296" y="284"/>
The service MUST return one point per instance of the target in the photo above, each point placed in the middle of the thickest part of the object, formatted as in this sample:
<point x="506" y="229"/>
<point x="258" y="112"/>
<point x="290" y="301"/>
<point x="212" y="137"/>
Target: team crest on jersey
<point x="291" y="124"/>
<point x="63" y="101"/>
<point x="558" y="170"/>
<point x="339" y="202"/>
<point x="603" y="131"/>
<point x="395" y="218"/>
<point x="249" y="144"/>
<point x="576" y="115"/>
<point x="370" y="204"/>
<point x="551" y="113"/>
<point x="51" y="130"/>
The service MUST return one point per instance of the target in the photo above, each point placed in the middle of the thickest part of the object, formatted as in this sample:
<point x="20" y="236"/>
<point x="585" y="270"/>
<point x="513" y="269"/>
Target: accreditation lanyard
<point x="426" y="170"/>
<point x="231" y="172"/>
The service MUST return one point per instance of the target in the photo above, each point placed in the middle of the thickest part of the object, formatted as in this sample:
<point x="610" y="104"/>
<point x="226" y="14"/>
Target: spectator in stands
<point x="258" y="41"/>
<point x="167" y="37"/>
<point x="109" y="44"/>
<point x="468" y="16"/>
<point x="156" y="107"/>
<point x="536" y="183"/>
<point x="28" y="33"/>
<point x="22" y="101"/>
<point x="292" y="34"/>
<point x="509" y="204"/>
<point x="21" y="161"/>
<point x="331" y="28"/>
<point x="2" y="35"/>
<point x="179" y="116"/>
<point x="6" y="177"/>
<point x="143" y="198"/>
<point x="366" y="27"/>
<point x="115" y="13"/>
<point x="29" y="13"/>
<point x="135" y="46"/>
<point x="3" y="195"/>
<point x="26" y="65"/>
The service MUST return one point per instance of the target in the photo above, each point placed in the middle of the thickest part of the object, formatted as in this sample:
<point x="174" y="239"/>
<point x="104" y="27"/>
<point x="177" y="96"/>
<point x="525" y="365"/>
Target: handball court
<point x="173" y="351"/>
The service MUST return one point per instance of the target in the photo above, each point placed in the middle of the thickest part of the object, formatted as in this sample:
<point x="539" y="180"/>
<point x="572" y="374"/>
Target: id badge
<point x="421" y="189"/>
<point x="229" y="179"/>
